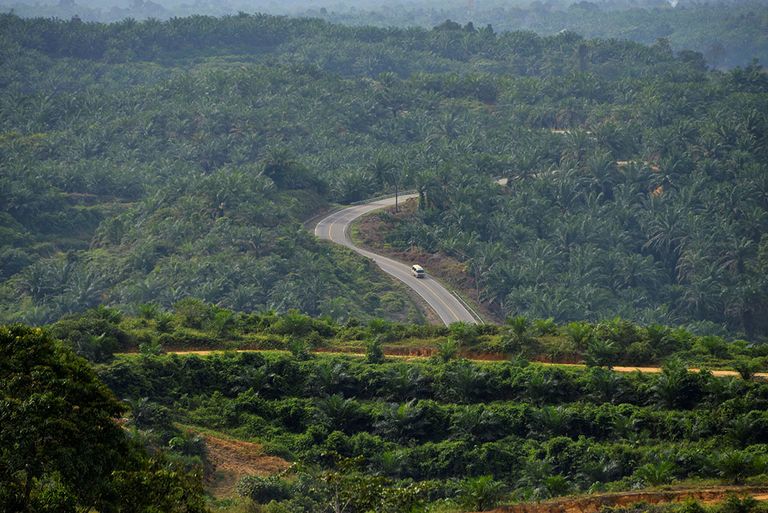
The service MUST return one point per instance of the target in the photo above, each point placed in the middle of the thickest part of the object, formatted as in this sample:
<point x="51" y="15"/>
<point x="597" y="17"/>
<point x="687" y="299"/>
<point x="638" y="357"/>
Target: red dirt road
<point x="595" y="503"/>
<point x="427" y="352"/>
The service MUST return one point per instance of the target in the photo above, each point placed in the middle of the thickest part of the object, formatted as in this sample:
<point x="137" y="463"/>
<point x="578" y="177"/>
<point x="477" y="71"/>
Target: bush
<point x="655" y="474"/>
<point x="600" y="353"/>
<point x="639" y="353"/>
<point x="151" y="348"/>
<point x="545" y="327"/>
<point x="447" y="350"/>
<point x="94" y="334"/>
<point x="299" y="349"/>
<point x="714" y="346"/>
<point x="264" y="489"/>
<point x="374" y="352"/>
<point x="736" y="466"/>
<point x="193" y="312"/>
<point x="580" y="333"/>
<point x="297" y="324"/>
<point x="463" y="333"/>
<point x="480" y="493"/>
<point x="516" y="337"/>
<point x="747" y="367"/>
<point x="736" y="504"/>
<point x="164" y="322"/>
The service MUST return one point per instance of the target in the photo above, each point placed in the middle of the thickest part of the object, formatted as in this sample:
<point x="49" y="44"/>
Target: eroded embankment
<point x="595" y="503"/>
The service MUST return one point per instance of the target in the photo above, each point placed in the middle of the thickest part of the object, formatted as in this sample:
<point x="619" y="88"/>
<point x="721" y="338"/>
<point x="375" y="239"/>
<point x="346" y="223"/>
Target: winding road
<point x="335" y="228"/>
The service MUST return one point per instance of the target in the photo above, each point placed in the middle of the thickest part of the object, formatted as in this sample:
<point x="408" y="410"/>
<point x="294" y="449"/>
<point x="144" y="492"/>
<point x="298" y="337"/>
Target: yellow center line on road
<point x="396" y="269"/>
<point x="437" y="295"/>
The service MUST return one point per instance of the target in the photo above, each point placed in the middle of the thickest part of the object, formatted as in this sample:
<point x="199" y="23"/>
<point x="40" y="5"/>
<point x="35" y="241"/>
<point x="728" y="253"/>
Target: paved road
<point x="335" y="228"/>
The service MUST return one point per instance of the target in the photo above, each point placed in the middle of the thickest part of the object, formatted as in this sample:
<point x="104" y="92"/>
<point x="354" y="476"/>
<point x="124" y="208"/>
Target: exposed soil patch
<point x="370" y="233"/>
<point x="595" y="503"/>
<point x="657" y="370"/>
<point x="233" y="459"/>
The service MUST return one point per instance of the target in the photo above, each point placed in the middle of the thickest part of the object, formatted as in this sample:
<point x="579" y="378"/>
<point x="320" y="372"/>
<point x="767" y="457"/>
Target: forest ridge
<point x="727" y="33"/>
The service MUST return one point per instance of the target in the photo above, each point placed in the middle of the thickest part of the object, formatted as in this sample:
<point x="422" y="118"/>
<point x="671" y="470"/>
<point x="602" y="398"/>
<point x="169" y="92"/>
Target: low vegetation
<point x="393" y="435"/>
<point x="375" y="432"/>
<point x="100" y="333"/>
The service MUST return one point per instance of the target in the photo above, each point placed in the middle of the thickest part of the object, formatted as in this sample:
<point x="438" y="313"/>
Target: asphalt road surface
<point x="335" y="228"/>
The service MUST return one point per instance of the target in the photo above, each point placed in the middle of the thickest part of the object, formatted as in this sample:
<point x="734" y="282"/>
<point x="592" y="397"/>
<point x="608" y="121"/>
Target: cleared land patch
<point x="232" y="459"/>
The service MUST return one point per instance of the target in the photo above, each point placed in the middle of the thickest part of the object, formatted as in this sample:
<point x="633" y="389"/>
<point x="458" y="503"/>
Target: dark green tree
<point x="61" y="446"/>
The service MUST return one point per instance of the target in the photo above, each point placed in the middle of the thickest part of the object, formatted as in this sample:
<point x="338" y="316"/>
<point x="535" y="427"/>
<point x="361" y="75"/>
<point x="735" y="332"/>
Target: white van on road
<point x="417" y="271"/>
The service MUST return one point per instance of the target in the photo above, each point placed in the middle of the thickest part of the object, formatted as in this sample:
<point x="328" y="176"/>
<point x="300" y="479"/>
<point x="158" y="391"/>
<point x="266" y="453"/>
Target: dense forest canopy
<point x="728" y="33"/>
<point x="151" y="161"/>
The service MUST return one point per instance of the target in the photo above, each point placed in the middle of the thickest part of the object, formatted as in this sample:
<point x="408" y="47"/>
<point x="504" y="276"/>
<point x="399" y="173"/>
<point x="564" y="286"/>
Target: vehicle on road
<point x="417" y="271"/>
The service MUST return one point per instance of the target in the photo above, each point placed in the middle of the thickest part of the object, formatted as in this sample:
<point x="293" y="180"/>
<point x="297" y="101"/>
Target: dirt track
<point x="427" y="352"/>
<point x="595" y="503"/>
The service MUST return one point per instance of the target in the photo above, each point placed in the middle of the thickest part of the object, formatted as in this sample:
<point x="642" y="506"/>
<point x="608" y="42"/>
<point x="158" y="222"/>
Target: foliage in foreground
<point x="62" y="448"/>
<point x="467" y="433"/>
<point x="364" y="433"/>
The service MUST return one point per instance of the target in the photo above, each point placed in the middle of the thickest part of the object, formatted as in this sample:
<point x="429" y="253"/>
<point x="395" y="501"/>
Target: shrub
<point x="735" y="504"/>
<point x="463" y="333"/>
<point x="580" y="333"/>
<point x="299" y="349"/>
<point x="374" y="352"/>
<point x="655" y="474"/>
<point x="714" y="346"/>
<point x="148" y="311"/>
<point x="447" y="350"/>
<point x="94" y="334"/>
<point x="151" y="348"/>
<point x="747" y="367"/>
<point x="164" y="322"/>
<point x="639" y="352"/>
<point x="545" y="327"/>
<point x="736" y="466"/>
<point x="193" y="312"/>
<point x="600" y="353"/>
<point x="516" y="337"/>
<point x="264" y="489"/>
<point x="481" y="493"/>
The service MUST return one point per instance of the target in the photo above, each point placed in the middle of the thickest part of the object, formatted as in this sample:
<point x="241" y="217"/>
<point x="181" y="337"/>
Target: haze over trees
<point x="727" y="33"/>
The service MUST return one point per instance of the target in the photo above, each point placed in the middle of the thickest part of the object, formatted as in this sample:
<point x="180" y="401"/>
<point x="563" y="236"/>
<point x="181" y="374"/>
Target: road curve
<point x="335" y="228"/>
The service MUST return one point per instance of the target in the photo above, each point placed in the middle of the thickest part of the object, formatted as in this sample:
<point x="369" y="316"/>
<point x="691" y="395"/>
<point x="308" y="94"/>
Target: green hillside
<point x="153" y="161"/>
<point x="158" y="182"/>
